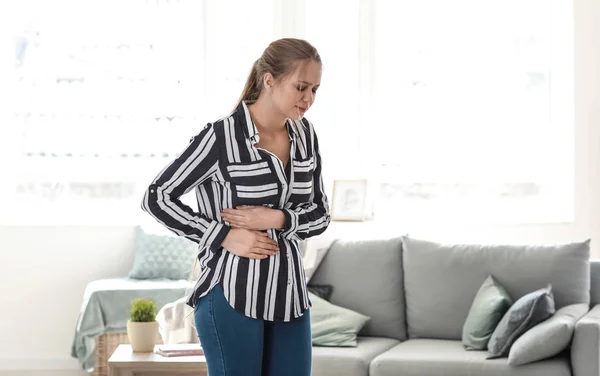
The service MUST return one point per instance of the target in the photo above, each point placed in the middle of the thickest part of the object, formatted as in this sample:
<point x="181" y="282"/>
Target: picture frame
<point x="349" y="200"/>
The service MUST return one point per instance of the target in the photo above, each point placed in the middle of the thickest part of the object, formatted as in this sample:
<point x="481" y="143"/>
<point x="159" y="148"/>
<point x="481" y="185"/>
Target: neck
<point x="266" y="117"/>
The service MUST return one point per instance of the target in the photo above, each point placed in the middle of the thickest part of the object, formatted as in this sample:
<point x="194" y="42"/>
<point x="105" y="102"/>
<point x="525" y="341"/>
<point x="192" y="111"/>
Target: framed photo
<point x="349" y="200"/>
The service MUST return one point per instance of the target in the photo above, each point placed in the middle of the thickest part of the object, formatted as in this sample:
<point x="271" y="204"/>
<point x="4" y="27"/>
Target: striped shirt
<point x="226" y="169"/>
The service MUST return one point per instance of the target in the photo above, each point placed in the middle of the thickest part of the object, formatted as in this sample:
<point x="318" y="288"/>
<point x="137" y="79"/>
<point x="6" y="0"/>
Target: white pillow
<point x="548" y="338"/>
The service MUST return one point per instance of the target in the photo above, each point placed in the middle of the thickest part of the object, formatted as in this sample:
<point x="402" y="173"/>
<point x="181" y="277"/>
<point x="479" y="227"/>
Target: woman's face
<point x="296" y="93"/>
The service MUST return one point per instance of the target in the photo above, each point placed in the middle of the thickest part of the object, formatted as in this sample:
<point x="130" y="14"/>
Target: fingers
<point x="234" y="220"/>
<point x="267" y="242"/>
<point x="258" y="256"/>
<point x="231" y="215"/>
<point x="233" y="224"/>
<point x="264" y="251"/>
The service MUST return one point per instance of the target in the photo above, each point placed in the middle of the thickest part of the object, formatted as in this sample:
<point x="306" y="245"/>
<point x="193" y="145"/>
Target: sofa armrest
<point x="585" y="348"/>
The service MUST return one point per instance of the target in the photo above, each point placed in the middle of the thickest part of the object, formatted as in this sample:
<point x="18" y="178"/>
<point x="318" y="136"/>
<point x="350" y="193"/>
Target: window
<point x="337" y="110"/>
<point x="235" y="40"/>
<point x="463" y="113"/>
<point x="102" y="106"/>
<point x="472" y="105"/>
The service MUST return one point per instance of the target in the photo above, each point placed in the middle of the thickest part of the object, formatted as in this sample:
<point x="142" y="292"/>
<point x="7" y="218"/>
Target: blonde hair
<point x="280" y="58"/>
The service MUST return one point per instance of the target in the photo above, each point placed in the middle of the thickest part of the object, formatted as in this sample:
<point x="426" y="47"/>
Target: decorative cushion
<point x="488" y="308"/>
<point x="527" y="312"/>
<point x="322" y="291"/>
<point x="162" y="256"/>
<point x="548" y="338"/>
<point x="334" y="325"/>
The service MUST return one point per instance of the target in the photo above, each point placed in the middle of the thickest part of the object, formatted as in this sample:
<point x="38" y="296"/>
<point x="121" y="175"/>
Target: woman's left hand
<point x="254" y="217"/>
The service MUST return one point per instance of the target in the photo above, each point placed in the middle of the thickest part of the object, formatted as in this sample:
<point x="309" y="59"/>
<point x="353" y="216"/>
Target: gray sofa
<point x="418" y="295"/>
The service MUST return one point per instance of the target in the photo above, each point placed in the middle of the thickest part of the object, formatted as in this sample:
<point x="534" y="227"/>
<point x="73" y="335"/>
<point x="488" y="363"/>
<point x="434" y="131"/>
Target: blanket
<point x="106" y="305"/>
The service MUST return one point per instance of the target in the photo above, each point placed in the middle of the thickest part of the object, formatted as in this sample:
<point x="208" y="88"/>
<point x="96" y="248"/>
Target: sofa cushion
<point x="527" y="312"/>
<point x="488" y="308"/>
<point x="349" y="361"/>
<point x="367" y="277"/>
<point x="431" y="357"/>
<point x="441" y="281"/>
<point x="547" y="338"/>
<point x="332" y="325"/>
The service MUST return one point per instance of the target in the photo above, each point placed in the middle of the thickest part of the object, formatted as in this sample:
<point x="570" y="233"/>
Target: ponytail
<point x="253" y="85"/>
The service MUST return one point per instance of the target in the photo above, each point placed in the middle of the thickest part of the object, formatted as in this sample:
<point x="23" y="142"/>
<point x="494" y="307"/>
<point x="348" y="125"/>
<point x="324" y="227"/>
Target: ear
<point x="268" y="82"/>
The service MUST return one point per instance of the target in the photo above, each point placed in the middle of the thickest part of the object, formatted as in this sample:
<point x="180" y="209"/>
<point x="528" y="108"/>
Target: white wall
<point x="44" y="270"/>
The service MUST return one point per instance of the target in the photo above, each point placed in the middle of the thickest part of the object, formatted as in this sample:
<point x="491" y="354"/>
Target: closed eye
<point x="301" y="89"/>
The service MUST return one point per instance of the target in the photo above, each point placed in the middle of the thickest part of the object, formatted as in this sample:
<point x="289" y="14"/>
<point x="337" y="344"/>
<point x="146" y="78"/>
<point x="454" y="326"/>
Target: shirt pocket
<point x="253" y="183"/>
<point x="303" y="179"/>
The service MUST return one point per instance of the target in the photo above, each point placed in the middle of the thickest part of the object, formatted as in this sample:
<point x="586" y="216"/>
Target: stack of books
<point x="184" y="349"/>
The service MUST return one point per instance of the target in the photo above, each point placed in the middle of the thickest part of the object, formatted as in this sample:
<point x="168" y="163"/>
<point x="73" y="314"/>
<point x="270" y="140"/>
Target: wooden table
<point x="125" y="362"/>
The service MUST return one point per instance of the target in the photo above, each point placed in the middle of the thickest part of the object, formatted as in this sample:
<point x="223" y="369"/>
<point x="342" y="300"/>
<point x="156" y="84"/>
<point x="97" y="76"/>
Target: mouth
<point x="302" y="109"/>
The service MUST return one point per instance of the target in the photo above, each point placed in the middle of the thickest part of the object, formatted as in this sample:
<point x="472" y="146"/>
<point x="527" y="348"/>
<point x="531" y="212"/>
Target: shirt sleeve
<point x="197" y="164"/>
<point x="311" y="218"/>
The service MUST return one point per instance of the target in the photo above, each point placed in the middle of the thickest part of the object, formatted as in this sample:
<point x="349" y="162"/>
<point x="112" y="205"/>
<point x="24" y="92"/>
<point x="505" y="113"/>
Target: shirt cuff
<point x="291" y="222"/>
<point x="215" y="235"/>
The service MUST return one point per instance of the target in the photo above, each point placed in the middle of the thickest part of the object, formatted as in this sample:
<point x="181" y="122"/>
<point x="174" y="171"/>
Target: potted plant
<point x="142" y="327"/>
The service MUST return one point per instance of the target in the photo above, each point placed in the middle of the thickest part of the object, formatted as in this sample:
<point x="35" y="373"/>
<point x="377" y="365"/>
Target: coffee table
<point x="125" y="362"/>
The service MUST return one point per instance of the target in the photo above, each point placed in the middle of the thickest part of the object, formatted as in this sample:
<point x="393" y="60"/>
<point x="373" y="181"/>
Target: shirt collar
<point x="250" y="129"/>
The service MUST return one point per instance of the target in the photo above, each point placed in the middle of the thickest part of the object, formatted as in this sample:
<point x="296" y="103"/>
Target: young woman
<point x="257" y="178"/>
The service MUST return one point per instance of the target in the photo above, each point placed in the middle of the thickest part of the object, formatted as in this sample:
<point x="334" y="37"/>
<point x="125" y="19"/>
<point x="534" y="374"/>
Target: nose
<point x="309" y="98"/>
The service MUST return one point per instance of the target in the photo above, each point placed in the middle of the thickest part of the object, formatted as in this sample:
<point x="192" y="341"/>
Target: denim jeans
<point x="237" y="345"/>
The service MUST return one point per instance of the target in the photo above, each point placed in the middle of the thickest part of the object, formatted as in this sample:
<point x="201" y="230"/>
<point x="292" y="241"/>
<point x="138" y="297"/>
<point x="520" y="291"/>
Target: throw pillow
<point x="322" y="291"/>
<point x="333" y="325"/>
<point x="489" y="306"/>
<point x="527" y="312"/>
<point x="548" y="338"/>
<point x="162" y="256"/>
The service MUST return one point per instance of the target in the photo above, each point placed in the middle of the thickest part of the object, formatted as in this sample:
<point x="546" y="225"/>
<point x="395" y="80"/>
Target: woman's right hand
<point x="250" y="243"/>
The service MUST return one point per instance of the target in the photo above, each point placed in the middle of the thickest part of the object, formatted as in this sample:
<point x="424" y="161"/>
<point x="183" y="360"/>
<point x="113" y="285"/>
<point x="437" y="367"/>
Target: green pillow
<point x="162" y="256"/>
<point x="489" y="306"/>
<point x="333" y="325"/>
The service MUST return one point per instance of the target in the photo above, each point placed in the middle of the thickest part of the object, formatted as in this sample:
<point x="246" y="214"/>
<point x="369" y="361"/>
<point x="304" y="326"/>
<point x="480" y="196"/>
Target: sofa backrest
<point x="595" y="282"/>
<point x="367" y="278"/>
<point x="441" y="281"/>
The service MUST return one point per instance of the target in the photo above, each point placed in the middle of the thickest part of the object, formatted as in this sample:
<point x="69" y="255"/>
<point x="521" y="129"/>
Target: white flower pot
<point x="142" y="335"/>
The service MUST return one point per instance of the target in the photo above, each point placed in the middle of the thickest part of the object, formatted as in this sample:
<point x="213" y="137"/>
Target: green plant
<point x="143" y="310"/>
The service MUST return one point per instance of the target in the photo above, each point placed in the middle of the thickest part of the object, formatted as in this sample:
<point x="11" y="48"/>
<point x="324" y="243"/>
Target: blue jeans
<point x="237" y="345"/>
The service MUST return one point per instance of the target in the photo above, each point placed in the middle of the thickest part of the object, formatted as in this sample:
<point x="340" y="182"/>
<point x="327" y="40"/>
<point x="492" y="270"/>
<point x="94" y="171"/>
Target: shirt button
<point x="289" y="281"/>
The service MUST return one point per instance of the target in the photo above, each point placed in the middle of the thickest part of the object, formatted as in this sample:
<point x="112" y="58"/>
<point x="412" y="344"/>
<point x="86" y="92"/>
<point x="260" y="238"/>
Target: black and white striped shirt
<point x="226" y="169"/>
